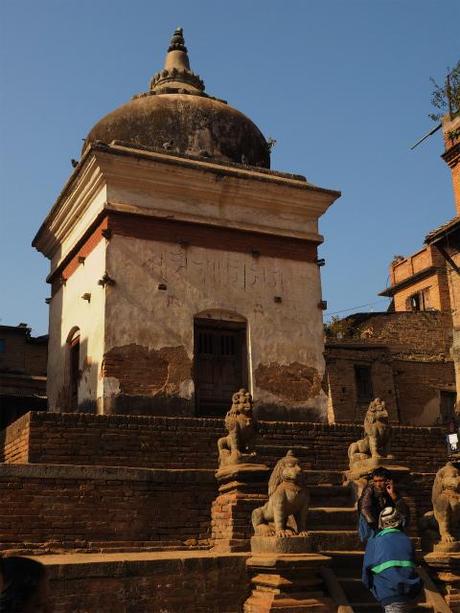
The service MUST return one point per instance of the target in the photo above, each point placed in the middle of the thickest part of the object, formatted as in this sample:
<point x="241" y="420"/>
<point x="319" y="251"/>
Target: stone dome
<point x="177" y="116"/>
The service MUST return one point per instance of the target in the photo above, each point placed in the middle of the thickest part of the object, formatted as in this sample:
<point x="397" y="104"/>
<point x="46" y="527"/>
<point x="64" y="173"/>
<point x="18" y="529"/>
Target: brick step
<point x="355" y="590"/>
<point x="367" y="607"/>
<point x="347" y="558"/>
<point x="323" y="477"/>
<point x="141" y="549"/>
<point x="316" y="602"/>
<point x="334" y="540"/>
<point x="98" y="547"/>
<point x="348" y="562"/>
<point x="331" y="496"/>
<point x="173" y="543"/>
<point x="332" y="518"/>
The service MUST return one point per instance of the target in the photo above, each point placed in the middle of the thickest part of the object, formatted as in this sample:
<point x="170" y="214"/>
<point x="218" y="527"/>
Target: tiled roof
<point x="445" y="228"/>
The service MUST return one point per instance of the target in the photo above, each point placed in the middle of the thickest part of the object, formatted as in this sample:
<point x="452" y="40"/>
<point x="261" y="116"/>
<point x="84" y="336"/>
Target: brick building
<point x="402" y="357"/>
<point x="419" y="282"/>
<point x="446" y="239"/>
<point x="410" y="356"/>
<point x="22" y="372"/>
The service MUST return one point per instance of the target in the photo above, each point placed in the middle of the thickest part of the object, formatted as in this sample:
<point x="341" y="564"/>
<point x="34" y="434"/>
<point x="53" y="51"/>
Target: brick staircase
<point x="333" y="527"/>
<point x="87" y="489"/>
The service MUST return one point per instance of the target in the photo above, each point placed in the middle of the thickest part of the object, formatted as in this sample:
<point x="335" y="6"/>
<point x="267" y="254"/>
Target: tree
<point x="446" y="98"/>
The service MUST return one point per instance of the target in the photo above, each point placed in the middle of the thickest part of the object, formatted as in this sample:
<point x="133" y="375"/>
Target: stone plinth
<point x="287" y="582"/>
<point x="359" y="470"/>
<point x="277" y="544"/>
<point x="441" y="547"/>
<point x="242" y="488"/>
<point x="445" y="570"/>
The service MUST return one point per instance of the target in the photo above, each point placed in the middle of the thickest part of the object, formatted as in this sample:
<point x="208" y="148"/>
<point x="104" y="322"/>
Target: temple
<point x="182" y="267"/>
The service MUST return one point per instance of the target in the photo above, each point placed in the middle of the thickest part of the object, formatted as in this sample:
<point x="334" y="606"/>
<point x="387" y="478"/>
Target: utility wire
<point x="359" y="306"/>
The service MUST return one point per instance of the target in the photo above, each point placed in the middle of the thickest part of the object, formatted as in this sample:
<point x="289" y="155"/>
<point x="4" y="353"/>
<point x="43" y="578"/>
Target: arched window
<point x="73" y="343"/>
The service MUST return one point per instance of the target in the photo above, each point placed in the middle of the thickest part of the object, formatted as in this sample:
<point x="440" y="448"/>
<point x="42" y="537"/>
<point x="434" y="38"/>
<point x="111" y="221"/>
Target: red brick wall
<point x="163" y="584"/>
<point x="14" y="441"/>
<point x="418" y="385"/>
<point x="428" y="332"/>
<point x="23" y="354"/>
<point x="42" y="504"/>
<point x="340" y="365"/>
<point x="161" y="442"/>
<point x="410" y="358"/>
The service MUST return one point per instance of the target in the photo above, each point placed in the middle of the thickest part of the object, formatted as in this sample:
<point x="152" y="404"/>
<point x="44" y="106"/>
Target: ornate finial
<point x="177" y="41"/>
<point x="176" y="76"/>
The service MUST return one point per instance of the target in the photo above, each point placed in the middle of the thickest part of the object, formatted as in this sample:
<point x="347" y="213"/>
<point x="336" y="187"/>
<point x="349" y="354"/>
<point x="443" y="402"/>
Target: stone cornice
<point x="177" y="187"/>
<point x="237" y="170"/>
<point x="78" y="193"/>
<point x="204" y="192"/>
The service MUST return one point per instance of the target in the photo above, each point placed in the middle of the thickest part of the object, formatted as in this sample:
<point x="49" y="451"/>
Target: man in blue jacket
<point x="389" y="565"/>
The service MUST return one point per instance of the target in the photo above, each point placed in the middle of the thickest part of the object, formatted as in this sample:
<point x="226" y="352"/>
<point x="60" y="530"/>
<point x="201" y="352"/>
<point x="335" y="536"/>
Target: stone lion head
<point x="447" y="480"/>
<point x="240" y="414"/>
<point x="286" y="469"/>
<point x="242" y="401"/>
<point x="376" y="412"/>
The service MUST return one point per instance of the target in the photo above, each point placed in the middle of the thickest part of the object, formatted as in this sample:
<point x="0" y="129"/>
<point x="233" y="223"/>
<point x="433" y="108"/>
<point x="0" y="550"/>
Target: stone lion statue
<point x="377" y="432"/>
<point x="445" y="496"/>
<point x="285" y="513"/>
<point x="239" y="444"/>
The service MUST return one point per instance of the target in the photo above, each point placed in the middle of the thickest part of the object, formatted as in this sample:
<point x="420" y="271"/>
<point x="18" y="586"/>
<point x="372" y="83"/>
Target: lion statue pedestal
<point x="440" y="532"/>
<point x="283" y="569"/>
<point x="240" y="478"/>
<point x="281" y="544"/>
<point x="444" y="569"/>
<point x="242" y="487"/>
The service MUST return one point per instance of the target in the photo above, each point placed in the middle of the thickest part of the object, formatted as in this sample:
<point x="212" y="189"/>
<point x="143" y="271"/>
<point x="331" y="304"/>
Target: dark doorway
<point x="363" y="379"/>
<point x="447" y="406"/>
<point x="220" y="364"/>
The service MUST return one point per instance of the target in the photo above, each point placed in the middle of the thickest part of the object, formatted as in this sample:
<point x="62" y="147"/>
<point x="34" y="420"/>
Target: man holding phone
<point x="378" y="494"/>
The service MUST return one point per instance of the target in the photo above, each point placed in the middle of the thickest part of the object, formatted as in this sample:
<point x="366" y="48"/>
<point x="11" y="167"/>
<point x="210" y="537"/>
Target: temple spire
<point x="176" y="76"/>
<point x="177" y="41"/>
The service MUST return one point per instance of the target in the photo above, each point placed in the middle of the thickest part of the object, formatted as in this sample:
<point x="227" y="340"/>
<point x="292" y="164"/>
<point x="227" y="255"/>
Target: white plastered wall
<point x="68" y="311"/>
<point x="199" y="279"/>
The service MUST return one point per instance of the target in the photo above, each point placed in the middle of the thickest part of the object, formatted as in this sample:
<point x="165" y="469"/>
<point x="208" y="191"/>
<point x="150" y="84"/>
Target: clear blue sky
<point x="343" y="85"/>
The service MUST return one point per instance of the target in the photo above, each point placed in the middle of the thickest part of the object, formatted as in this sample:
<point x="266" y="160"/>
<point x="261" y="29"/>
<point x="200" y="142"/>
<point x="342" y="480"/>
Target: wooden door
<point x="220" y="365"/>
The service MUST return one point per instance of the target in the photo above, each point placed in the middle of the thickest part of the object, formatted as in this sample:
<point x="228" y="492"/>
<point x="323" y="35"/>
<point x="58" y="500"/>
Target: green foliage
<point x="271" y="143"/>
<point x="446" y="98"/>
<point x="339" y="328"/>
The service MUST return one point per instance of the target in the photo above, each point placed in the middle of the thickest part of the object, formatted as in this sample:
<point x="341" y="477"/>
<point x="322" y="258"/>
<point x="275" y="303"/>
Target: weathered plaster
<point x="295" y="382"/>
<point x="216" y="284"/>
<point x="140" y="371"/>
<point x="69" y="311"/>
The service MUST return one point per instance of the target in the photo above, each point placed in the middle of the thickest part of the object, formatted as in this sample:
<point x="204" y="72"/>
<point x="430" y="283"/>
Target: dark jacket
<point x="373" y="501"/>
<point x="389" y="567"/>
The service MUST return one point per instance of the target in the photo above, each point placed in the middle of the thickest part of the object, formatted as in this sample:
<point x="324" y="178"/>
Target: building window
<point x="2" y="345"/>
<point x="363" y="379"/>
<point x="419" y="301"/>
